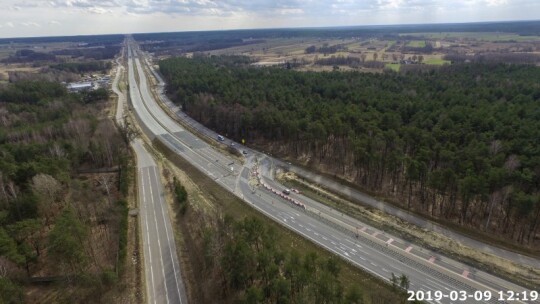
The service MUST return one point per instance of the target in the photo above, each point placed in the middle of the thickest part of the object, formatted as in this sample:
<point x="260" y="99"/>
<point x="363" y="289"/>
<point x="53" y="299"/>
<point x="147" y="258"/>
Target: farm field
<point x="383" y="53"/>
<point x="394" y="66"/>
<point x="417" y="43"/>
<point x="436" y="61"/>
<point x="492" y="37"/>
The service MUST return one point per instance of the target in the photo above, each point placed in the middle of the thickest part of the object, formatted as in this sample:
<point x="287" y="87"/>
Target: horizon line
<point x="371" y="26"/>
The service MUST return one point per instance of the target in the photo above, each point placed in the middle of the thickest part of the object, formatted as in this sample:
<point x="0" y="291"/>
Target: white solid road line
<point x="145" y="214"/>
<point x="382" y="256"/>
<point x="162" y="204"/>
<point x="157" y="236"/>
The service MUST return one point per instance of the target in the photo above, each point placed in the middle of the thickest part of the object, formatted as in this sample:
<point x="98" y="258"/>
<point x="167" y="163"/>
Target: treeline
<point x="427" y="49"/>
<point x="53" y="221"/>
<point x="83" y="67"/>
<point x="325" y="49"/>
<point x="458" y="143"/>
<point x="45" y="74"/>
<point x="95" y="53"/>
<point x="389" y="31"/>
<point x="31" y="92"/>
<point x="339" y="60"/>
<point x="514" y="58"/>
<point x="85" y="39"/>
<point x="196" y="45"/>
<point x="28" y="56"/>
<point x="351" y="61"/>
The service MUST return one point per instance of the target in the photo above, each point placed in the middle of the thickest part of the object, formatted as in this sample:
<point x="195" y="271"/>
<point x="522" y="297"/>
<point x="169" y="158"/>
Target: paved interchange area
<point x="371" y="249"/>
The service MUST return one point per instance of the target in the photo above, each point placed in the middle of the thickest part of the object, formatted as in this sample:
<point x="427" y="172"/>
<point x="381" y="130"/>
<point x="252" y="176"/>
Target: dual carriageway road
<point x="366" y="247"/>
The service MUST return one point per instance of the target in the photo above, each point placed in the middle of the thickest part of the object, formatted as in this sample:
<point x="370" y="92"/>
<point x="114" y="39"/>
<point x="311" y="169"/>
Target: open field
<point x="478" y="36"/>
<point x="436" y="61"/>
<point x="417" y="43"/>
<point x="394" y="66"/>
<point x="277" y="51"/>
<point x="8" y="49"/>
<point x="5" y="69"/>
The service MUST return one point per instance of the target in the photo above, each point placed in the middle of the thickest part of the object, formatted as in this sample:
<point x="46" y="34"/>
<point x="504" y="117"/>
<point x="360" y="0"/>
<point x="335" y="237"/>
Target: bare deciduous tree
<point x="13" y="190"/>
<point x="48" y="190"/>
<point x="127" y="132"/>
<point x="57" y="151"/>
<point x="363" y="57"/>
<point x="105" y="181"/>
<point x="3" y="194"/>
<point x="512" y="163"/>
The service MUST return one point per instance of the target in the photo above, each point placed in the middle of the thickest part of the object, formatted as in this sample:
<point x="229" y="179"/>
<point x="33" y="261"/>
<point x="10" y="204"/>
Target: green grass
<point x="436" y="61"/>
<point x="393" y="66"/>
<point x="417" y="43"/>
<point x="371" y="287"/>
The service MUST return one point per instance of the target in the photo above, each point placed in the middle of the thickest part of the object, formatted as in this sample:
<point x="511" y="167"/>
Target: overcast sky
<point x="19" y="18"/>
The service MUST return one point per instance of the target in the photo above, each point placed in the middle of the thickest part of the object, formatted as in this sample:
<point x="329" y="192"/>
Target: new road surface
<point x="163" y="279"/>
<point x="161" y="268"/>
<point x="373" y="250"/>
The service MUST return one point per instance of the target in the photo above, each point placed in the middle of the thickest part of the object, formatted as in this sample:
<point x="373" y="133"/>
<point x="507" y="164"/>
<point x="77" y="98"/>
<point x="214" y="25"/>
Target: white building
<point x="80" y="86"/>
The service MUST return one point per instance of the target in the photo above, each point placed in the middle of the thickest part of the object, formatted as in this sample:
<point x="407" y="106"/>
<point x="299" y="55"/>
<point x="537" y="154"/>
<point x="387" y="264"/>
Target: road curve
<point x="161" y="267"/>
<point x="356" y="195"/>
<point x="373" y="250"/>
<point x="419" y="221"/>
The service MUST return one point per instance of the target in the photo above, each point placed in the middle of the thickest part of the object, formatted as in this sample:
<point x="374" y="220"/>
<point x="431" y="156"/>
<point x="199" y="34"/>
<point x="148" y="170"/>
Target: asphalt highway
<point x="162" y="271"/>
<point x="352" y="193"/>
<point x="163" y="279"/>
<point x="375" y="251"/>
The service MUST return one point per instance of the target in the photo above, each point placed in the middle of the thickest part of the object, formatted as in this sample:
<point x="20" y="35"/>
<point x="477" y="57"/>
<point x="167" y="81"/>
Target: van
<point x="220" y="138"/>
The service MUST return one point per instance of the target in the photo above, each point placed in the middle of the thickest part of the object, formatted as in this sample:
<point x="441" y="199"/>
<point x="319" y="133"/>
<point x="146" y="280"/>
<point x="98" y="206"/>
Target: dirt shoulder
<point x="208" y="202"/>
<point x="520" y="274"/>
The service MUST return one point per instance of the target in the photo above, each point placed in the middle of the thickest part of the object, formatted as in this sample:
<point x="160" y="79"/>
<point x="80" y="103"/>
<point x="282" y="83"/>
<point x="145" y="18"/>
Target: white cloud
<point x="30" y="24"/>
<point x="496" y="2"/>
<point x="389" y="4"/>
<point x="98" y="10"/>
<point x="290" y="11"/>
<point x="110" y="16"/>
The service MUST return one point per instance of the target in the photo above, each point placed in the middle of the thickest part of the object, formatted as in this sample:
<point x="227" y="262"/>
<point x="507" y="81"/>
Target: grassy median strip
<point x="373" y="289"/>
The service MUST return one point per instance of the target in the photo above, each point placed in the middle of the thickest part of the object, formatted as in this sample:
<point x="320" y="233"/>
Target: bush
<point x="108" y="277"/>
<point x="180" y="195"/>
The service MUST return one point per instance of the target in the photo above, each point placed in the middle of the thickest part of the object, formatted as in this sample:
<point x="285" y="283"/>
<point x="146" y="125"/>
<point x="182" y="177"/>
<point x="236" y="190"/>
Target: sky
<point x="28" y="18"/>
